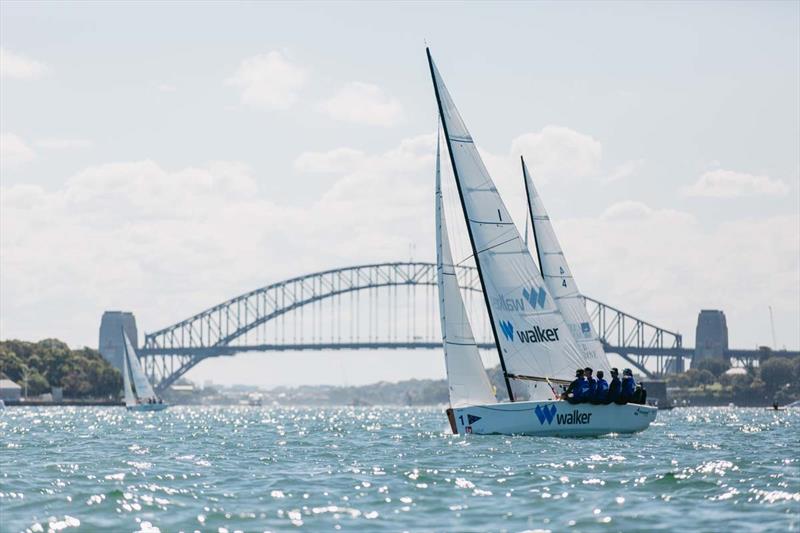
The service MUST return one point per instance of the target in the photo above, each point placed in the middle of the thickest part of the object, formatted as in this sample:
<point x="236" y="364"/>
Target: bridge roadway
<point x="280" y="315"/>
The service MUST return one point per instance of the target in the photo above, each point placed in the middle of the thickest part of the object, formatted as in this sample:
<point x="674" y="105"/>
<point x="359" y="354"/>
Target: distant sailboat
<point x="536" y="348"/>
<point x="144" y="398"/>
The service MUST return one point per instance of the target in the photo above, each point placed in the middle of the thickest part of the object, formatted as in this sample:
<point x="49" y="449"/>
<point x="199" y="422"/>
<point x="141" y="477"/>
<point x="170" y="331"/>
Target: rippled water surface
<point x="389" y="469"/>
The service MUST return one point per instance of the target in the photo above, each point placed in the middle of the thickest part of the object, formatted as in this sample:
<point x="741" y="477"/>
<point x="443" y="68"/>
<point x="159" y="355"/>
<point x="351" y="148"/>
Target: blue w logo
<point x="545" y="413"/>
<point x="535" y="296"/>
<point x="508" y="329"/>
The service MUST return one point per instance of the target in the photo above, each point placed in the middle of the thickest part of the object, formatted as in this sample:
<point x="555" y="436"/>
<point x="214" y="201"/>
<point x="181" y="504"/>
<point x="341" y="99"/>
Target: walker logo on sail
<point x="535" y="296"/>
<point x="534" y="335"/>
<point x="508" y="330"/>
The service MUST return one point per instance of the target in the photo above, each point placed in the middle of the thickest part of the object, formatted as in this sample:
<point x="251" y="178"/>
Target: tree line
<point x="83" y="373"/>
<point x="774" y="379"/>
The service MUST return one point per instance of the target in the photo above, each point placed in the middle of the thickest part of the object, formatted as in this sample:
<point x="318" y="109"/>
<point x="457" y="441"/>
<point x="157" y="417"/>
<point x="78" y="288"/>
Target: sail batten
<point x="531" y="336"/>
<point x="559" y="280"/>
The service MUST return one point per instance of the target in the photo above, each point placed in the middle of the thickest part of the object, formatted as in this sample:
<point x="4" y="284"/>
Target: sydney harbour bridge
<point x="383" y="306"/>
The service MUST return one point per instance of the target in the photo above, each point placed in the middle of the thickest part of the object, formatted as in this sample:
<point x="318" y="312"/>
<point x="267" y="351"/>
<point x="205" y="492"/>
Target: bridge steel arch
<point x="170" y="352"/>
<point x="167" y="354"/>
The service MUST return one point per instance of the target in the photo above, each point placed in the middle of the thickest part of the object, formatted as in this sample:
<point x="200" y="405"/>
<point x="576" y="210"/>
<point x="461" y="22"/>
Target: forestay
<point x="558" y="278"/>
<point x="144" y="390"/>
<point x="467" y="381"/>
<point x="532" y="337"/>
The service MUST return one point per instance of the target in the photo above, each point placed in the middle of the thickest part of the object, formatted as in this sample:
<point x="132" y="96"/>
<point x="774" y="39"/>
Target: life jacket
<point x="601" y="389"/>
<point x="592" y="386"/>
<point x="613" y="390"/>
<point x="582" y="390"/>
<point x="628" y="386"/>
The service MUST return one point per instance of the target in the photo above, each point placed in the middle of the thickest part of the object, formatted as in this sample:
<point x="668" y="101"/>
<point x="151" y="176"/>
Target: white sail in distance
<point x="144" y="390"/>
<point x="130" y="399"/>
<point x="558" y="278"/>
<point x="534" y="342"/>
<point x="467" y="381"/>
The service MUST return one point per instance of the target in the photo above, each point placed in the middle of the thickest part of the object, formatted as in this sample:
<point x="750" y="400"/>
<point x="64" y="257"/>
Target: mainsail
<point x="533" y="341"/>
<point x="130" y="399"/>
<point x="558" y="278"/>
<point x="144" y="391"/>
<point x="466" y="377"/>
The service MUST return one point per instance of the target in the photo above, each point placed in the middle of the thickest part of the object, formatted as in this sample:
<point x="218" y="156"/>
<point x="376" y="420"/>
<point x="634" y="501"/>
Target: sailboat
<point x="144" y="398"/>
<point x="538" y="352"/>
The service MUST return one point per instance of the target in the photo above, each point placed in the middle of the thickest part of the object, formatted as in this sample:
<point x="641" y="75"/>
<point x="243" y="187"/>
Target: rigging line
<point x="498" y="244"/>
<point x="491" y="222"/>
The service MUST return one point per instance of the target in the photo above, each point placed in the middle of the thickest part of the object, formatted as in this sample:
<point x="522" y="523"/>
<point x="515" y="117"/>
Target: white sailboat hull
<point x="553" y="418"/>
<point x="142" y="407"/>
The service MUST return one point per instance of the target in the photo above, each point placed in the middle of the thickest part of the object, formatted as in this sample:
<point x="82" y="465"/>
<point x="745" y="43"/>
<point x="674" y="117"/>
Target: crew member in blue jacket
<point x="628" y="386"/>
<point x="591" y="382"/>
<point x="614" y="387"/>
<point x="576" y="392"/>
<point x="600" y="389"/>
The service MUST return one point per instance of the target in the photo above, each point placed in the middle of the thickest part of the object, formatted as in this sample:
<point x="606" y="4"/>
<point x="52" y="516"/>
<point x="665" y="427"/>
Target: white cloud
<point x="625" y="170"/>
<point x="559" y="152"/>
<point x="722" y="183"/>
<point x="14" y="151"/>
<point x="169" y="242"/>
<point x="19" y="67"/>
<point x="363" y="103"/>
<point x="336" y="160"/>
<point x="665" y="265"/>
<point x="269" y="81"/>
<point x="64" y="144"/>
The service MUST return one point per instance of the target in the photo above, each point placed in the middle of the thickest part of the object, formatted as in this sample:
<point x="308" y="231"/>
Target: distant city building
<point x="111" y="345"/>
<point x="9" y="390"/>
<point x="711" y="335"/>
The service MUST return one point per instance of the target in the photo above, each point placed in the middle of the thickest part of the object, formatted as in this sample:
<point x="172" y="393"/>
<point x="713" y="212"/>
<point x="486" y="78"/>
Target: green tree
<point x="716" y="366"/>
<point x="776" y="372"/>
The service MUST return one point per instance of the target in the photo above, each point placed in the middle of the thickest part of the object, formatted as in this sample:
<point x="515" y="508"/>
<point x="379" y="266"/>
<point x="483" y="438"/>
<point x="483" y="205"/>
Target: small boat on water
<point x="539" y="321"/>
<point x="143" y="398"/>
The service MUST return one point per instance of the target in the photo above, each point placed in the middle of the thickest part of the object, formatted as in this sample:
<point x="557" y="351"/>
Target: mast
<point x="530" y="214"/>
<point x="469" y="228"/>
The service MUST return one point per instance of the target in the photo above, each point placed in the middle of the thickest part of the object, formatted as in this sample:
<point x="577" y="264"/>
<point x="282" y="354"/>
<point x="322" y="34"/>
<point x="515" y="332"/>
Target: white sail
<point x="467" y="381"/>
<point x="533" y="340"/>
<point x="560" y="283"/>
<point x="144" y="391"/>
<point x="130" y="399"/>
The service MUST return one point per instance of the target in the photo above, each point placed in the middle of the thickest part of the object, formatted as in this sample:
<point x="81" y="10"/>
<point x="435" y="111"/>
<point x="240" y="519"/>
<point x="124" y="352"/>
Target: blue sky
<point x="211" y="138"/>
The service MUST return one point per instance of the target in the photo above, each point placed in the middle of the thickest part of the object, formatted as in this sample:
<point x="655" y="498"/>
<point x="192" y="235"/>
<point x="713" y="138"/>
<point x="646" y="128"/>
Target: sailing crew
<point x="628" y="386"/>
<point x="575" y="391"/>
<point x="600" y="390"/>
<point x="592" y="383"/>
<point x="639" y="395"/>
<point x="614" y="387"/>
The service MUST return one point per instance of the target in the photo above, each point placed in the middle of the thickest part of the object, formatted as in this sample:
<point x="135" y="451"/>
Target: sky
<point x="162" y="158"/>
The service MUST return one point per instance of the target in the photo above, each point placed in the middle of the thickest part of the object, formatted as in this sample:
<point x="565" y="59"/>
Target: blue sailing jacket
<point x="628" y="386"/>
<point x="601" y="390"/>
<point x="592" y="386"/>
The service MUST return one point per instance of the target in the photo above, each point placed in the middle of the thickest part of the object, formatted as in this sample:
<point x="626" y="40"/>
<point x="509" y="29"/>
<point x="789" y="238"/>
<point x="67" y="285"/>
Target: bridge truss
<point x="377" y="306"/>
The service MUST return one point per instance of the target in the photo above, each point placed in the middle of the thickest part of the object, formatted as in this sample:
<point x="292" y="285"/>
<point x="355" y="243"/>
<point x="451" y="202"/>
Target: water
<point x="389" y="469"/>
